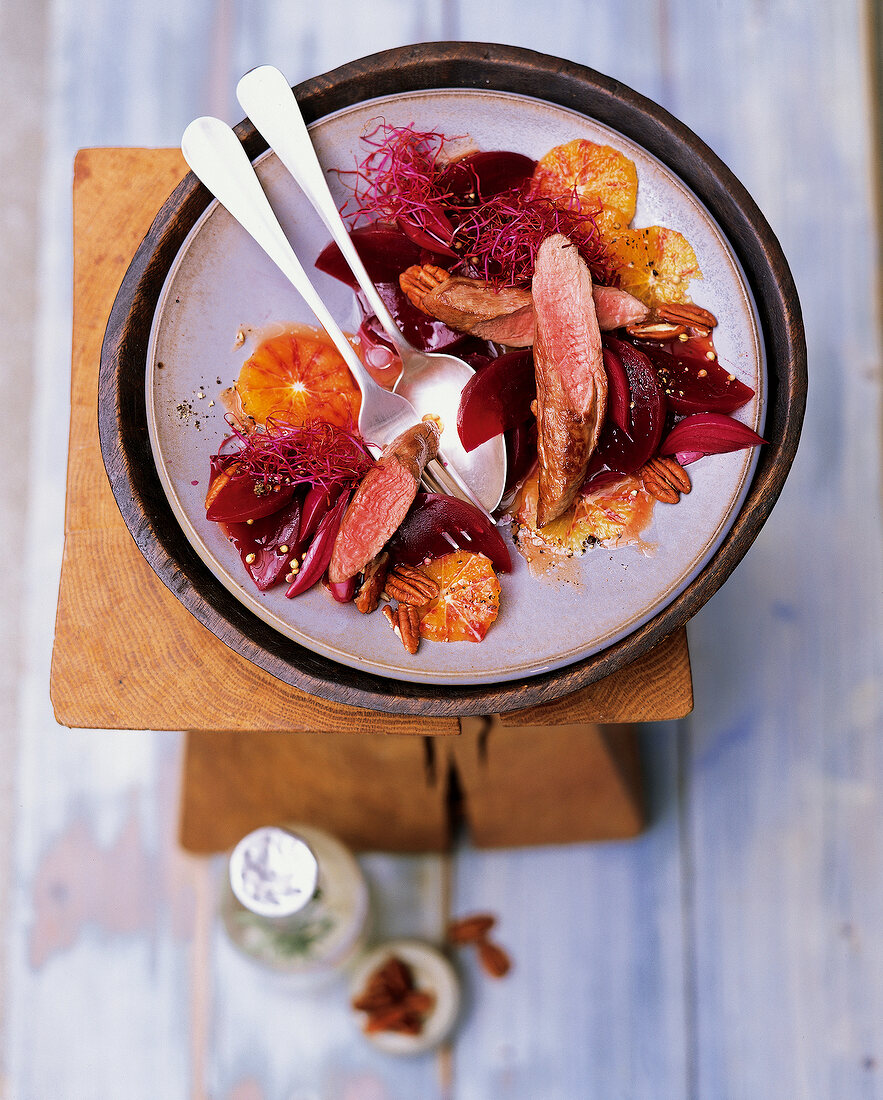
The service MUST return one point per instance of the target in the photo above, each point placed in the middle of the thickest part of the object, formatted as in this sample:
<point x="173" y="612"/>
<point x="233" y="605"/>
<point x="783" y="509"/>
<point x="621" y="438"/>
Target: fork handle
<point x="217" y="158"/>
<point x="266" y="97"/>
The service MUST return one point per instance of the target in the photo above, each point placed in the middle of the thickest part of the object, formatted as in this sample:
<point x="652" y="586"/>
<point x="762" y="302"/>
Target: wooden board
<point x="552" y="784"/>
<point x="172" y="673"/>
<point x="375" y="793"/>
<point x="547" y="784"/>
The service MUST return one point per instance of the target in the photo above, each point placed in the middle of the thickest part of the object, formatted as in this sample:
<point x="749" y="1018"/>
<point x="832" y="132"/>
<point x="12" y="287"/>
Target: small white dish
<point x="433" y="973"/>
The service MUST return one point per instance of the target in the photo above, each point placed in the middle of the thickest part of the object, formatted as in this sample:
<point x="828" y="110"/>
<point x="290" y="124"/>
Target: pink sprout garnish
<point x="502" y="236"/>
<point x="401" y="177"/>
<point x="403" y="180"/>
<point x="315" y="453"/>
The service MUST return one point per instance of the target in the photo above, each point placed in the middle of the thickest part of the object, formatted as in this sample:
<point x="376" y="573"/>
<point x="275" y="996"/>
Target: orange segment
<point x="654" y="264"/>
<point x="604" y="180"/>
<point x="468" y="600"/>
<point x="613" y="516"/>
<point x="296" y="377"/>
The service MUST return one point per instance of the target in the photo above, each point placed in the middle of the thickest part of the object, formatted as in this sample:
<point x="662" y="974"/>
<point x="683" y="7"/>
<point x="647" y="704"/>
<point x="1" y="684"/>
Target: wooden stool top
<point x="127" y="654"/>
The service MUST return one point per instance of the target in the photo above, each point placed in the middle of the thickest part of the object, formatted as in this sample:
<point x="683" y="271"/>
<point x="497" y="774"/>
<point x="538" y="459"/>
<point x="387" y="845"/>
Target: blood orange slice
<point x="468" y="601"/>
<point x="603" y="179"/>
<point x="654" y="264"/>
<point x="296" y="377"/>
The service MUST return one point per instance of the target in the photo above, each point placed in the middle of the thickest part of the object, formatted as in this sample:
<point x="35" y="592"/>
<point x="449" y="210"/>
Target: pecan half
<point x="470" y="929"/>
<point x="655" y="330"/>
<point x="665" y="478"/>
<point x="410" y="585"/>
<point x="494" y="960"/>
<point x="700" y="320"/>
<point x="373" y="580"/>
<point x="417" y="281"/>
<point x="406" y="623"/>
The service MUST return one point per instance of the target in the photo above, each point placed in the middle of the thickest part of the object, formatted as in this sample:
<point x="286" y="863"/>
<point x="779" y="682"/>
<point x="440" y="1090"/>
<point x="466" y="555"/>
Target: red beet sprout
<point x="315" y="453"/>
<point x="401" y="177"/>
<point x="406" y="178"/>
<point x="502" y="236"/>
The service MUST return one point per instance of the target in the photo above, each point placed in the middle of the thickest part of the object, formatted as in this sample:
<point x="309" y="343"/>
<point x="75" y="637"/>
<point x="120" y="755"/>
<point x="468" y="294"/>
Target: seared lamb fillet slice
<point x="617" y="308"/>
<point x="571" y="380"/>
<point x="382" y="500"/>
<point x="506" y="316"/>
<point x="470" y="305"/>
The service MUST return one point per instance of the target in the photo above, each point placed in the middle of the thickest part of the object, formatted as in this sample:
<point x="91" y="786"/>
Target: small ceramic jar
<point x="296" y="901"/>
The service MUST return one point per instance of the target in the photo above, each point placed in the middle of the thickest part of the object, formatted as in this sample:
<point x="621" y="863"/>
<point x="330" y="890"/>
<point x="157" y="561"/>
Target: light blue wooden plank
<point x="331" y="35"/>
<point x="595" y="1003"/>
<point x="786" y="762"/>
<point x="307" y="1043"/>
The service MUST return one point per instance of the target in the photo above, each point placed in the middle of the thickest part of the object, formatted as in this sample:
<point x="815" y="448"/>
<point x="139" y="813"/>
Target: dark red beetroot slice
<point x="419" y="328"/>
<point x="237" y="500"/>
<point x="521" y="452"/>
<point x="384" y="249"/>
<point x="317" y="503"/>
<point x="438" y="524"/>
<point x="265" y="539"/>
<point x="318" y="555"/>
<point x="618" y="394"/>
<point x="496" y="398"/>
<point x="433" y="233"/>
<point x="694" y="383"/>
<point x="627" y="451"/>
<point x="708" y="434"/>
<point x="486" y="174"/>
<point x="342" y="591"/>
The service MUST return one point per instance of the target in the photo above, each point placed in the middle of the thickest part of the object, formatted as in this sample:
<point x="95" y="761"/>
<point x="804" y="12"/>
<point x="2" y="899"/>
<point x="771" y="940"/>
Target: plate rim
<point x="482" y="66"/>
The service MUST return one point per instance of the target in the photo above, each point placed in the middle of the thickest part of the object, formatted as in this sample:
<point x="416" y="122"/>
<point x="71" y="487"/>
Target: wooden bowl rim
<point x="122" y="413"/>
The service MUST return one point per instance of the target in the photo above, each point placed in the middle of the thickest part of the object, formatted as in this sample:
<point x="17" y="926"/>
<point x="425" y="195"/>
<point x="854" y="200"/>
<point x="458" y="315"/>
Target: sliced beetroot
<point x="599" y="481"/>
<point x="618" y="394"/>
<point x="626" y="450"/>
<point x="418" y="328"/>
<point x="521" y="452"/>
<point x="384" y="250"/>
<point x="708" y="434"/>
<point x="342" y="591"/>
<point x="317" y="503"/>
<point x="694" y="383"/>
<point x="479" y="176"/>
<point x="318" y="555"/>
<point x="496" y="398"/>
<point x="433" y="233"/>
<point x="270" y="542"/>
<point x="241" y="498"/>
<point x="438" y="524"/>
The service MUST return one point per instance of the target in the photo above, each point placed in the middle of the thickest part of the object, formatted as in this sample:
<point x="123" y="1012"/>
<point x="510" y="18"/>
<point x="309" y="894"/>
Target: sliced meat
<point x="382" y="500"/>
<point x="470" y="305"/>
<point x="507" y="316"/>
<point x="571" y="381"/>
<point x="617" y="308"/>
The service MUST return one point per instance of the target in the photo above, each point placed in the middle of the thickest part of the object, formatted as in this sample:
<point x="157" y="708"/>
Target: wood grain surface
<point x="732" y="950"/>
<point x="173" y="673"/>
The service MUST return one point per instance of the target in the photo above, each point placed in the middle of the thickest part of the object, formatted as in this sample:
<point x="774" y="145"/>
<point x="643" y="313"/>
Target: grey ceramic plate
<point x="221" y="283"/>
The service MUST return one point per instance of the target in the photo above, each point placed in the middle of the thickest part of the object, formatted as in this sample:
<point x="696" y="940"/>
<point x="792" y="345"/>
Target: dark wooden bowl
<point x="123" y="420"/>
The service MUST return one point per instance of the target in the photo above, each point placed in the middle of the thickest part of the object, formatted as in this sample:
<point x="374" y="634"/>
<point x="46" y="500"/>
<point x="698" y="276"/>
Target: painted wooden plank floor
<point x="733" y="951"/>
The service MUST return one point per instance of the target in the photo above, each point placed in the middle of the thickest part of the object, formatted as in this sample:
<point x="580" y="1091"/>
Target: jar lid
<point x="273" y="872"/>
